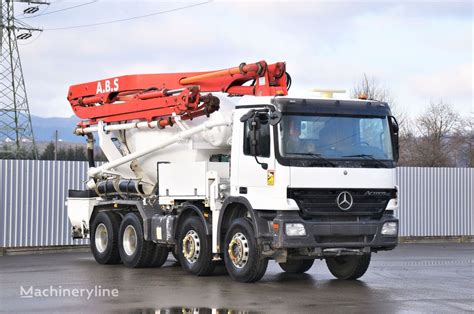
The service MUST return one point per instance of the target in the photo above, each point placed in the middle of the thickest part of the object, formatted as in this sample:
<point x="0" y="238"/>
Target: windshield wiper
<point x="368" y="157"/>
<point x="317" y="156"/>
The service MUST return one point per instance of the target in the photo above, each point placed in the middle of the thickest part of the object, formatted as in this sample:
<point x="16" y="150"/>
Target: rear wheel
<point x="348" y="266"/>
<point x="134" y="250"/>
<point x="194" y="248"/>
<point x="104" y="237"/>
<point x="297" y="266"/>
<point x="243" y="258"/>
<point x="159" y="257"/>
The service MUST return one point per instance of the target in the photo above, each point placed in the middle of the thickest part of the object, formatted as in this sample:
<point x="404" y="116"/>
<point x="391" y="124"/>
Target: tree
<point x="62" y="154"/>
<point x="469" y="135"/>
<point x="438" y="121"/>
<point x="26" y="154"/>
<point x="70" y="154"/>
<point x="407" y="142"/>
<point x="48" y="153"/>
<point x="462" y="142"/>
<point x="79" y="153"/>
<point x="372" y="89"/>
<point x="432" y="147"/>
<point x="4" y="152"/>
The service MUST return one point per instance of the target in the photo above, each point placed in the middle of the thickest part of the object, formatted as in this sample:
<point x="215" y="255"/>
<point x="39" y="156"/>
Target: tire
<point x="104" y="238"/>
<point x="348" y="267"/>
<point x="247" y="263"/>
<point x="159" y="257"/>
<point x="299" y="266"/>
<point x="134" y="250"/>
<point x="196" y="258"/>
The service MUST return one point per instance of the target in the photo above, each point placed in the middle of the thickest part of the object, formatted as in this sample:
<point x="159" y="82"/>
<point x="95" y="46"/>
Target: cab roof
<point x="311" y="105"/>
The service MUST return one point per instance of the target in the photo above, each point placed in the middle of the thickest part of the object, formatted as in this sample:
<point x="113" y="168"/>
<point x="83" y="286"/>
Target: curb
<point x="448" y="239"/>
<point x="44" y="250"/>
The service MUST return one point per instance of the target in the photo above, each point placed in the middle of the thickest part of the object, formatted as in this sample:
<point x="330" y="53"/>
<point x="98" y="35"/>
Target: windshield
<point x="336" y="137"/>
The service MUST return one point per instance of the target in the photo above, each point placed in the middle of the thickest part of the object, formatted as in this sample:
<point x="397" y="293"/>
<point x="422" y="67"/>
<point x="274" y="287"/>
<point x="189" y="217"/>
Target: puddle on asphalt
<point x="192" y="310"/>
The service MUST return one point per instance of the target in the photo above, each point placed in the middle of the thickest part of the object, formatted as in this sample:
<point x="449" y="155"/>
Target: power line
<point x="129" y="18"/>
<point x="61" y="10"/>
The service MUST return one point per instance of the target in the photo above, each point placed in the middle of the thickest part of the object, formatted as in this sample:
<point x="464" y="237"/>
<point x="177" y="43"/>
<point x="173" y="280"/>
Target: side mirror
<point x="254" y="135"/>
<point x="274" y="117"/>
<point x="254" y="119"/>
<point x="395" y="142"/>
<point x="255" y="125"/>
<point x="247" y="116"/>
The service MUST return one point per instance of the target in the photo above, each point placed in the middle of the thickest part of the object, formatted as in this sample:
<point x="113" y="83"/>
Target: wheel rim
<point x="191" y="246"/>
<point x="239" y="250"/>
<point x="130" y="240"/>
<point x="101" y="238"/>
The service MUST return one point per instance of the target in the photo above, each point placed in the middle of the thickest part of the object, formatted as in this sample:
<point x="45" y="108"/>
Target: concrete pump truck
<point x="279" y="177"/>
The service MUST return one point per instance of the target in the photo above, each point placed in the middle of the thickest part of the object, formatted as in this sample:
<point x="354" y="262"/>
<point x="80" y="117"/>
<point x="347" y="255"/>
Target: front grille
<point x="344" y="239"/>
<point x="323" y="202"/>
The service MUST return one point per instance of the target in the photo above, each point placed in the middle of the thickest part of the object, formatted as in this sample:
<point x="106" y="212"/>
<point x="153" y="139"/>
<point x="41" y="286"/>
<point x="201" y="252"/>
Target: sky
<point x="421" y="50"/>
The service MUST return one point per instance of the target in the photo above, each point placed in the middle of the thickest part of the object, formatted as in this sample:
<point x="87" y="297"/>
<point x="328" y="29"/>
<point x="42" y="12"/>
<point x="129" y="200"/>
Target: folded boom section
<point x="160" y="97"/>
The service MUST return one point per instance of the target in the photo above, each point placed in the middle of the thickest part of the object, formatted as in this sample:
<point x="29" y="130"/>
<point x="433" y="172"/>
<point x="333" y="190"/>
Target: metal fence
<point x="32" y="201"/>
<point x="436" y="201"/>
<point x="433" y="201"/>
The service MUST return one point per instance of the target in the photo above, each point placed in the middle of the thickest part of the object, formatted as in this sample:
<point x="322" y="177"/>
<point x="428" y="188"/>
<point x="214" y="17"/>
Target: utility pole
<point x="15" y="119"/>
<point x="56" y="145"/>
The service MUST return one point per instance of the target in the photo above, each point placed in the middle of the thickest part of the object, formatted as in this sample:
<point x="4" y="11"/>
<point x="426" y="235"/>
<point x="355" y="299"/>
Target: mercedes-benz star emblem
<point x="344" y="200"/>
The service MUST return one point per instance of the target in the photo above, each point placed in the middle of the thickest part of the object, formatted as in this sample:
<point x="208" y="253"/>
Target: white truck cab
<point x="320" y="175"/>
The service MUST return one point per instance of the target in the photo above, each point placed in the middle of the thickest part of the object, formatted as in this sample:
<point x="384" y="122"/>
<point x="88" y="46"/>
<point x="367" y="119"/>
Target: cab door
<point x="253" y="161"/>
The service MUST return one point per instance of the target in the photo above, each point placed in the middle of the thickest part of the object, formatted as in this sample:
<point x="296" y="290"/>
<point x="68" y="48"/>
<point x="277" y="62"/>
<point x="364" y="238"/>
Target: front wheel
<point x="242" y="256"/>
<point x="297" y="266"/>
<point x="348" y="266"/>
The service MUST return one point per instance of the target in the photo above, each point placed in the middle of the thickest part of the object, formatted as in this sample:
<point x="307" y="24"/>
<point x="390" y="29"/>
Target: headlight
<point x="295" y="229"/>
<point x="389" y="228"/>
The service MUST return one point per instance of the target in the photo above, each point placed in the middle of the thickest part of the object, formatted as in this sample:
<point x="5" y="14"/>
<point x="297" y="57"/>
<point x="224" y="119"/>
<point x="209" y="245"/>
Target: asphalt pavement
<point x="412" y="278"/>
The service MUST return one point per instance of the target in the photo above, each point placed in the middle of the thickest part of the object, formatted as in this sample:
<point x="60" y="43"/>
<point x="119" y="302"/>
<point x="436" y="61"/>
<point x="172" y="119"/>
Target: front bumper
<point x="335" y="234"/>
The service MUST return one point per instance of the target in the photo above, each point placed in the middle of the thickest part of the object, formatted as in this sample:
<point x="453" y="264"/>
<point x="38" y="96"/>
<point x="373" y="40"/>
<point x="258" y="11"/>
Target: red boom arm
<point x="157" y="96"/>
